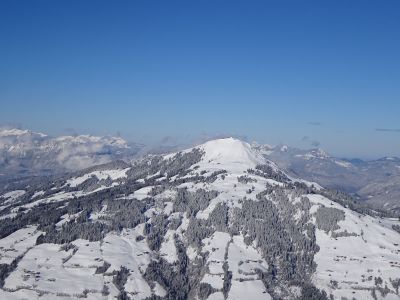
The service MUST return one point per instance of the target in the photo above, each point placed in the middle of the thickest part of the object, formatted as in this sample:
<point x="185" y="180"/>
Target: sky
<point x="304" y="73"/>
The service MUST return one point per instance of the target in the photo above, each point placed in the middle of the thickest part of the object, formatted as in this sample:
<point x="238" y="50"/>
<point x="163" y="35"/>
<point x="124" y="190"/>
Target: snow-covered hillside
<point x="217" y="221"/>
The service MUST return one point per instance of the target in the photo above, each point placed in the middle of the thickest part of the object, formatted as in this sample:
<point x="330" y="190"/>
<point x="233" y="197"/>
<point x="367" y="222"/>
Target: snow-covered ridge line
<point x="19" y="132"/>
<point x="217" y="221"/>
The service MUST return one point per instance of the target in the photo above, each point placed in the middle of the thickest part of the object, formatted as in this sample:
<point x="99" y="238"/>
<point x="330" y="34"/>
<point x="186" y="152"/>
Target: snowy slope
<point x="217" y="221"/>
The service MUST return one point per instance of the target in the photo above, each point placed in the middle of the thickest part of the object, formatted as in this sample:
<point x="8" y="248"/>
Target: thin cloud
<point x="310" y="141"/>
<point x="71" y="131"/>
<point x="315" y="143"/>
<point x="169" y="140"/>
<point x="11" y="126"/>
<point x="387" y="129"/>
<point x="313" y="123"/>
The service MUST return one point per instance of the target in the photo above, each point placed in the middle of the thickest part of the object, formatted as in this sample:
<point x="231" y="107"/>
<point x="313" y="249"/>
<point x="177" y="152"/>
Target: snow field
<point x="349" y="265"/>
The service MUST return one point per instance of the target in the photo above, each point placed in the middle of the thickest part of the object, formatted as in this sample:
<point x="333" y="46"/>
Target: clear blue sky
<point x="296" y="72"/>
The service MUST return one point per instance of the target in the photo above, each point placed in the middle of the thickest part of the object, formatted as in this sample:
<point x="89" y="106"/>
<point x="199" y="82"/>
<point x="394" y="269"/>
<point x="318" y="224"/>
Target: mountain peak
<point x="231" y="152"/>
<point x="15" y="132"/>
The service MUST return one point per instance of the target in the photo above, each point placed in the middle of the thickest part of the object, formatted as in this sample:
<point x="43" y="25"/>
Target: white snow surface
<point x="12" y="196"/>
<point x="348" y="265"/>
<point x="230" y="154"/>
<point x="101" y="175"/>
<point x="38" y="194"/>
<point x="17" y="243"/>
<point x="242" y="261"/>
<point x="47" y="269"/>
<point x="142" y="193"/>
<point x="18" y="132"/>
<point x="168" y="249"/>
<point x="343" y="163"/>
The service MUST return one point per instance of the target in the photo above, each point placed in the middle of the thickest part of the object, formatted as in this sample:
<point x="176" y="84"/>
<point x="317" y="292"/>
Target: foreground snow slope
<point x="217" y="221"/>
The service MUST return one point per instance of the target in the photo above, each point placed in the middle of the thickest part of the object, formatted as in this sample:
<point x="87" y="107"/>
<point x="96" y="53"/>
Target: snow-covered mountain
<point x="217" y="221"/>
<point x="377" y="181"/>
<point x="24" y="152"/>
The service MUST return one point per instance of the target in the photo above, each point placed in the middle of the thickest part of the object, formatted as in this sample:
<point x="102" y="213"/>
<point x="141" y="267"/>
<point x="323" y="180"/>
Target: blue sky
<point x="295" y="72"/>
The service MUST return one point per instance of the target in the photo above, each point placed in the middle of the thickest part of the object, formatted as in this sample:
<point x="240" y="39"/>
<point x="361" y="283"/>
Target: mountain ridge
<point x="24" y="153"/>
<point x="216" y="221"/>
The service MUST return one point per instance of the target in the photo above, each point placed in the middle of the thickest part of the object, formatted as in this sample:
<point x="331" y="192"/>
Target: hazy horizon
<point x="175" y="143"/>
<point x="307" y="74"/>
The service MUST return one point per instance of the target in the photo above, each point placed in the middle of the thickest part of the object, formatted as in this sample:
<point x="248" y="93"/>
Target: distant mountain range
<point x="375" y="181"/>
<point x="26" y="153"/>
